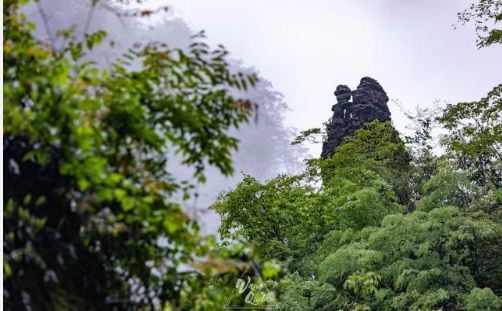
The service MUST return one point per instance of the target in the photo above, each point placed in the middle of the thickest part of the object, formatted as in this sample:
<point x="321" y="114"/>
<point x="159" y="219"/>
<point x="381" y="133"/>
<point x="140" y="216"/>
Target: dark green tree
<point x="475" y="136"/>
<point x="376" y="147"/>
<point x="90" y="221"/>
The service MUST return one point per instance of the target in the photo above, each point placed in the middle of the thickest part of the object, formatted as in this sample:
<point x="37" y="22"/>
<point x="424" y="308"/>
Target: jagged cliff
<point x="353" y="109"/>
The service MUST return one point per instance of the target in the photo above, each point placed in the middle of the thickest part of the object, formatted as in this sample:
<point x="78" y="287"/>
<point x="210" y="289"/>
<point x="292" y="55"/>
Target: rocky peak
<point x="369" y="102"/>
<point x="343" y="93"/>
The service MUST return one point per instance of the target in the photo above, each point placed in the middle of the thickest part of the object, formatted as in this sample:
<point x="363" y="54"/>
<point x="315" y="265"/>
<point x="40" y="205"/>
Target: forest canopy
<point x="388" y="222"/>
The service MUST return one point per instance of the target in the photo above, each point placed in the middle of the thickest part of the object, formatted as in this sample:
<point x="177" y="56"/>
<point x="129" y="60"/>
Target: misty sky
<point x="306" y="48"/>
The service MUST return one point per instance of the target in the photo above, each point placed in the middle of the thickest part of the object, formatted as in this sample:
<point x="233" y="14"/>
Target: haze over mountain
<point x="264" y="143"/>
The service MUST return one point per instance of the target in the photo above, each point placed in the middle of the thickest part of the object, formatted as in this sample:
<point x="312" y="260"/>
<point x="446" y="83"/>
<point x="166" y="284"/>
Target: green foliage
<point x="475" y="136"/>
<point x="386" y="226"/>
<point x="417" y="257"/>
<point x="220" y="271"/>
<point x="307" y="295"/>
<point x="307" y="135"/>
<point x="482" y="299"/>
<point x="375" y="147"/>
<point x="337" y="268"/>
<point x="90" y="220"/>
<point x="362" y="283"/>
<point x="358" y="206"/>
<point x="446" y="188"/>
<point x="485" y="14"/>
<point x="374" y="257"/>
<point x="424" y="163"/>
<point x="376" y="143"/>
<point x="273" y="216"/>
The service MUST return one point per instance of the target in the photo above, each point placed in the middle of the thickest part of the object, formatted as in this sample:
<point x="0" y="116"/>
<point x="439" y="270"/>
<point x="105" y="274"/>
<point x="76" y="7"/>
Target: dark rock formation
<point x="369" y="102"/>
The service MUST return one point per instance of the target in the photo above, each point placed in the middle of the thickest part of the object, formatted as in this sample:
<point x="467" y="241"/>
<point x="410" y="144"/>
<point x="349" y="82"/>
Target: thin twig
<point x="89" y="18"/>
<point x="45" y="20"/>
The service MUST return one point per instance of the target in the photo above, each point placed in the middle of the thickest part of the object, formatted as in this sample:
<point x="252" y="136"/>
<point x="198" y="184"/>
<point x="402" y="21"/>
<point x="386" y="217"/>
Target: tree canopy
<point x="90" y="219"/>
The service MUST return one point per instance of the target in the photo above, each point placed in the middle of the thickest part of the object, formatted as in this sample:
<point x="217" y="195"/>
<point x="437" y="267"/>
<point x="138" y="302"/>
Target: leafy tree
<point x="306" y="295"/>
<point x="90" y="221"/>
<point x="375" y="257"/>
<point x="484" y="14"/>
<point x="475" y="131"/>
<point x="273" y="217"/>
<point x="361" y="201"/>
<point x="475" y="136"/>
<point x="447" y="188"/>
<point x="309" y="136"/>
<point x="422" y="260"/>
<point x="376" y="147"/>
<point x="482" y="299"/>
<point x="389" y="226"/>
<point x="424" y="161"/>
